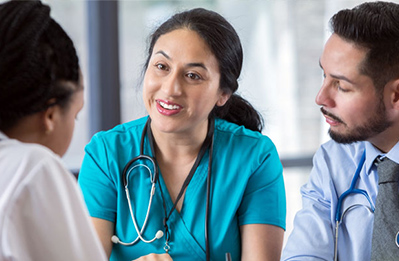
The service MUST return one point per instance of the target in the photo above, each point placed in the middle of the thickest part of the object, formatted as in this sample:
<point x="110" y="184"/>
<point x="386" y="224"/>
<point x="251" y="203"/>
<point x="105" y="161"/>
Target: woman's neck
<point x="26" y="130"/>
<point x="179" y="147"/>
<point x="176" y="154"/>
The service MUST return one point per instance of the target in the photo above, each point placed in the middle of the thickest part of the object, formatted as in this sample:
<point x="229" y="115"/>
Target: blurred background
<point x="282" y="41"/>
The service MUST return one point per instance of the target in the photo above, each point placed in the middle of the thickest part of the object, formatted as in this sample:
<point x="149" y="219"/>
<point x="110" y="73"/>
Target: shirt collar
<point x="3" y="136"/>
<point x="393" y="154"/>
<point x="372" y="153"/>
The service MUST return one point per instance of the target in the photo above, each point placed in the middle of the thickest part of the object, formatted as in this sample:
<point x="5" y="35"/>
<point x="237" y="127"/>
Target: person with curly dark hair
<point x="42" y="214"/>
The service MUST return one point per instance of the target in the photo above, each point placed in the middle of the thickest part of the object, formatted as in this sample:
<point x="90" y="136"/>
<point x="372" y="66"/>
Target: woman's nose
<point x="172" y="85"/>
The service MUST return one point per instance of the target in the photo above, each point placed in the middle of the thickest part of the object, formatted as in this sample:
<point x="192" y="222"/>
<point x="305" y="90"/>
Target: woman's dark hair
<point x="225" y="44"/>
<point x="375" y="27"/>
<point x="36" y="59"/>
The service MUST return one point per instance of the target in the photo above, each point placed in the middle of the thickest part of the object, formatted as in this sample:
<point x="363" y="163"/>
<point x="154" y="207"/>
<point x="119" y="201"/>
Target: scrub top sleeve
<point x="98" y="187"/>
<point x="264" y="199"/>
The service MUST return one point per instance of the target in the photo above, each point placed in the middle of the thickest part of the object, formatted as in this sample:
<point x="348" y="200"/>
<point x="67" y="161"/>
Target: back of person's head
<point x="225" y="45"/>
<point x="375" y="27"/>
<point x="37" y="58"/>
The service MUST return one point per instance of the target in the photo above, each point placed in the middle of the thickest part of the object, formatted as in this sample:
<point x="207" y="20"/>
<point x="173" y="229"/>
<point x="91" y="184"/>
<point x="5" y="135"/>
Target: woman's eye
<point x="193" y="76"/>
<point x="160" y="66"/>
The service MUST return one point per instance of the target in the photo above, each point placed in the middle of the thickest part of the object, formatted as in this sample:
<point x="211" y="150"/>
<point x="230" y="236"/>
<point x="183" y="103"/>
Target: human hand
<point x="155" y="257"/>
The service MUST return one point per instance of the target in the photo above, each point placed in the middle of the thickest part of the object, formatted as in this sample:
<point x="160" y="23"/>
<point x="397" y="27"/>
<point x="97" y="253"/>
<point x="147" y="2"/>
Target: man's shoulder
<point x="333" y="157"/>
<point x="334" y="149"/>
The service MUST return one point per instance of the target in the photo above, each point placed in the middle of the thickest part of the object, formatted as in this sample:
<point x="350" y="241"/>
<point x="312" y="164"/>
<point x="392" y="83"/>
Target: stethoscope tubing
<point x="352" y="190"/>
<point x="141" y="231"/>
<point x="154" y="178"/>
<point x="208" y="190"/>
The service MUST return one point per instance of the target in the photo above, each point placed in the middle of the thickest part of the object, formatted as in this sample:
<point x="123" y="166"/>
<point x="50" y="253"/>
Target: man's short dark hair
<point x="375" y="27"/>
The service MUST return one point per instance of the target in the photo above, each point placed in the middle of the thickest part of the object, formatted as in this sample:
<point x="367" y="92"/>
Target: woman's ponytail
<point x="239" y="111"/>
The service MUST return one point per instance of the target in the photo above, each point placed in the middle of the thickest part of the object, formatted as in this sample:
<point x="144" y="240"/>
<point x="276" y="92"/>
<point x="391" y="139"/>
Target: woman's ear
<point x="224" y="97"/>
<point x="49" y="118"/>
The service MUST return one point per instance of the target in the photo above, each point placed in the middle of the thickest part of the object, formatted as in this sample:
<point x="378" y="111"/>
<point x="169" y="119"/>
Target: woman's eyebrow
<point x="188" y="65"/>
<point x="164" y="54"/>
<point x="197" y="65"/>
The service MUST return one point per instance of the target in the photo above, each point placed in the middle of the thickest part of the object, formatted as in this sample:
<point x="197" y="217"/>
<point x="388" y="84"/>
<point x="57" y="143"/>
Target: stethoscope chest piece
<point x="397" y="239"/>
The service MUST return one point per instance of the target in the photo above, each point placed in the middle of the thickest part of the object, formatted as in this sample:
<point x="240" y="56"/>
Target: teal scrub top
<point x="247" y="187"/>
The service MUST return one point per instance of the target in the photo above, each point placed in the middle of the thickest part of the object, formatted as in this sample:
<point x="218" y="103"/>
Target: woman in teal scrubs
<point x="194" y="61"/>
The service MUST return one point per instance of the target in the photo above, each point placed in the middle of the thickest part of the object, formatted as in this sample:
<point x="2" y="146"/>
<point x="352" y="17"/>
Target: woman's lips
<point x="168" y="108"/>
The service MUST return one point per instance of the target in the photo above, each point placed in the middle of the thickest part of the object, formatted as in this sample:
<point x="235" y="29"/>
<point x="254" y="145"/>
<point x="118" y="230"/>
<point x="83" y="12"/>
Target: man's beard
<point x="375" y="124"/>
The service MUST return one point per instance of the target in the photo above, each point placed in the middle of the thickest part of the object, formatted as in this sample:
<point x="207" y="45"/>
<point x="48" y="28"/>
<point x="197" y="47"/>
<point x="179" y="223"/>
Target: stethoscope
<point x="352" y="190"/>
<point x="152" y="169"/>
<point x="153" y="172"/>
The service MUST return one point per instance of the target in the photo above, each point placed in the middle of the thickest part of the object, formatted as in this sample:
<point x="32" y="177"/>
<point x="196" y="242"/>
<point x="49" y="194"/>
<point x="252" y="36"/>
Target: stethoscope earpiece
<point x="159" y="234"/>
<point x="115" y="239"/>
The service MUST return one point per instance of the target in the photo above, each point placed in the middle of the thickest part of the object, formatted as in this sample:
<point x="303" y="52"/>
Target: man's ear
<point x="394" y="99"/>
<point x="224" y="97"/>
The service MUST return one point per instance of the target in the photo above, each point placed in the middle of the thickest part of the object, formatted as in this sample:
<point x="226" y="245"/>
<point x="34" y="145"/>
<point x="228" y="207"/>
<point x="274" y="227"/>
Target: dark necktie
<point x="386" y="216"/>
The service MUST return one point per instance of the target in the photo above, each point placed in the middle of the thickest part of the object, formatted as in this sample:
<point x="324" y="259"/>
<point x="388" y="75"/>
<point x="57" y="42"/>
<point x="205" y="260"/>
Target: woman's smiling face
<point x="181" y="83"/>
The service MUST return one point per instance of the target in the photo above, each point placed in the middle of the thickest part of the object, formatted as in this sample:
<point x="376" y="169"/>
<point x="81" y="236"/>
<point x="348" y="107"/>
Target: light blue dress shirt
<point x="334" y="166"/>
<point x="247" y="187"/>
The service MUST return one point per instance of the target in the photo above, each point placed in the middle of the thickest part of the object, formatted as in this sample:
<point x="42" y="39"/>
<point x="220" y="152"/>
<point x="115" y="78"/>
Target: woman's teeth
<point x="169" y="106"/>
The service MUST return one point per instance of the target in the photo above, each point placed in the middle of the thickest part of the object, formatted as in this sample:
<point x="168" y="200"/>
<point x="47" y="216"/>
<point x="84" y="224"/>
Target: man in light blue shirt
<point x="360" y="100"/>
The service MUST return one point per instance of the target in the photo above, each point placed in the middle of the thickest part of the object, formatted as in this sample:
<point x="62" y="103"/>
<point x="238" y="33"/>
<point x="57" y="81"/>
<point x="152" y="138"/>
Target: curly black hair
<point x="37" y="57"/>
